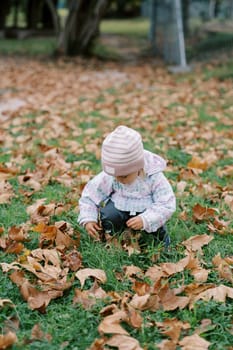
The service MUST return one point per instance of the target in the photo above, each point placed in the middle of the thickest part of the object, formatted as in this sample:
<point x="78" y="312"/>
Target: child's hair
<point x="122" y="152"/>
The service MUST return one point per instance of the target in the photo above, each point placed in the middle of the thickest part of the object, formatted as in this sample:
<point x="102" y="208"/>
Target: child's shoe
<point x="161" y="235"/>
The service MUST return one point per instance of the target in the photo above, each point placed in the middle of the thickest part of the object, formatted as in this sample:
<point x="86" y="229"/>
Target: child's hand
<point x="92" y="229"/>
<point x="135" y="223"/>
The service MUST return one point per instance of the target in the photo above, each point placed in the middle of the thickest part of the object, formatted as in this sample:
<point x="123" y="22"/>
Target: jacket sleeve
<point x="96" y="190"/>
<point x="164" y="204"/>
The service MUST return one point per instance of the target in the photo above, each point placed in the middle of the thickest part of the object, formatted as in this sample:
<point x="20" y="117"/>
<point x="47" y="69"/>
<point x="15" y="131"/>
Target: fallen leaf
<point x="111" y="324"/>
<point x="198" y="163"/>
<point x="219" y="293"/>
<point x="194" y="342"/>
<point x="172" y="328"/>
<point x="83" y="274"/>
<point x="38" y="334"/>
<point x="7" y="340"/>
<point x="195" y="243"/>
<point x="202" y="213"/>
<point x="123" y="342"/>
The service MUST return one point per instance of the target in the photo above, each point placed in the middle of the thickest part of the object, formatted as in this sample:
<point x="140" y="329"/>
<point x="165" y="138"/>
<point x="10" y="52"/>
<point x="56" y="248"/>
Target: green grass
<point x="136" y="27"/>
<point x="29" y="46"/>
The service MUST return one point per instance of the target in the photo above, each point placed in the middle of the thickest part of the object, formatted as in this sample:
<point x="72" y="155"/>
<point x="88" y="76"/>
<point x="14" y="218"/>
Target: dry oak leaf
<point x="14" y="247"/>
<point x="219" y="293"/>
<point x="198" y="163"/>
<point x="124" y="342"/>
<point x="170" y="301"/>
<point x="7" y="340"/>
<point x="88" y="298"/>
<point x="172" y="328"/>
<point x="3" y="302"/>
<point x="141" y="288"/>
<point x="205" y="326"/>
<point x="83" y="274"/>
<point x="203" y="213"/>
<point x="111" y="324"/>
<point x="223" y="267"/>
<point x="6" y="192"/>
<point x="167" y="345"/>
<point x="194" y="342"/>
<point x="154" y="273"/>
<point x="132" y="270"/>
<point x="200" y="274"/>
<point x="31" y="181"/>
<point x="145" y="302"/>
<point x="134" y="317"/>
<point x="38" y="300"/>
<point x="40" y="212"/>
<point x="38" y="334"/>
<point x="195" y="243"/>
<point x="172" y="268"/>
<point x="19" y="234"/>
<point x="72" y="260"/>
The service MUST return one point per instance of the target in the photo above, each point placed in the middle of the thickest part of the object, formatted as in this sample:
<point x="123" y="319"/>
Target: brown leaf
<point x="154" y="273"/>
<point x="172" y="328"/>
<point x="141" y="288"/>
<point x="205" y="326"/>
<point x="4" y="302"/>
<point x="195" y="243"/>
<point x="202" y="213"/>
<point x="6" y="192"/>
<point x="15" y="248"/>
<point x="38" y="300"/>
<point x="123" y="342"/>
<point x="198" y="163"/>
<point x="167" y="345"/>
<point x="134" y="317"/>
<point x="38" y="334"/>
<point x="83" y="274"/>
<point x="223" y="267"/>
<point x="88" y="298"/>
<point x="72" y="260"/>
<point x="194" y="342"/>
<point x="219" y="293"/>
<point x="145" y="302"/>
<point x="132" y="271"/>
<point x="111" y="324"/>
<point x="7" y="340"/>
<point x="172" y="268"/>
<point x="18" y="234"/>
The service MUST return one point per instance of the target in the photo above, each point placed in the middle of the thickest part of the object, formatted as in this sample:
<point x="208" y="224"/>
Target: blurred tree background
<point x="76" y="24"/>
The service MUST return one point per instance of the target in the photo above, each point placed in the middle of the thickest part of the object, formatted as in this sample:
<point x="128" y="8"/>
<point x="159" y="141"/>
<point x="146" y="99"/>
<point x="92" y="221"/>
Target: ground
<point x="60" y="289"/>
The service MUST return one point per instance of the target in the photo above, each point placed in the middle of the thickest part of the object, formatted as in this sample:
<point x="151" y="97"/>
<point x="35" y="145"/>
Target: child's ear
<point x="141" y="173"/>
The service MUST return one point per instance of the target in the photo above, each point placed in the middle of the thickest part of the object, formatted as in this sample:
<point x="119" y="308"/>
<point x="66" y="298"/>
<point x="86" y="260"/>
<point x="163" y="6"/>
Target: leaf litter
<point x="48" y="102"/>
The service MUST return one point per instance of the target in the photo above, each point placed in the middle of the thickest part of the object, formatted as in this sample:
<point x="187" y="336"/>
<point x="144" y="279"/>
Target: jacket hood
<point x="153" y="163"/>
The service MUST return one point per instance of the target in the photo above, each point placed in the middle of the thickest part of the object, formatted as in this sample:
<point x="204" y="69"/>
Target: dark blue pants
<point x="114" y="221"/>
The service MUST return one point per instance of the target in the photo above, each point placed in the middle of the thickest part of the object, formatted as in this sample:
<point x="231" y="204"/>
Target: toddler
<point x="131" y="191"/>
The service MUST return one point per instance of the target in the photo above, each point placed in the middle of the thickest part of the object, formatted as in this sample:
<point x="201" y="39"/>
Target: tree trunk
<point x="81" y="26"/>
<point x="185" y="15"/>
<point x="50" y="17"/>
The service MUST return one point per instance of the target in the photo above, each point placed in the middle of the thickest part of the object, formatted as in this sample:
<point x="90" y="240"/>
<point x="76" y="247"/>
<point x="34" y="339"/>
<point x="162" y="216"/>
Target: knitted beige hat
<point x="122" y="152"/>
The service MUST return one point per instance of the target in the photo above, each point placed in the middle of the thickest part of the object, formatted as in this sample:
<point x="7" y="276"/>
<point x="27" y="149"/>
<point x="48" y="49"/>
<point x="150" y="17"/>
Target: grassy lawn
<point x="49" y="148"/>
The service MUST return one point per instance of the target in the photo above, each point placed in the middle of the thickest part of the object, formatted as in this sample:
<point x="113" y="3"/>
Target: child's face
<point x="127" y="179"/>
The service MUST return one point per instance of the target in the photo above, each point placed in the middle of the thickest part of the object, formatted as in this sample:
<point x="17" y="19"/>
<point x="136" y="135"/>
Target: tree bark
<point x="185" y="15"/>
<point x="54" y="15"/>
<point x="81" y="26"/>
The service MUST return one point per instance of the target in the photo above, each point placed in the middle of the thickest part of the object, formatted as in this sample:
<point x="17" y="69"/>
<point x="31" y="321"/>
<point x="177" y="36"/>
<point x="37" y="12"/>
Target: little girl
<point x="131" y="191"/>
